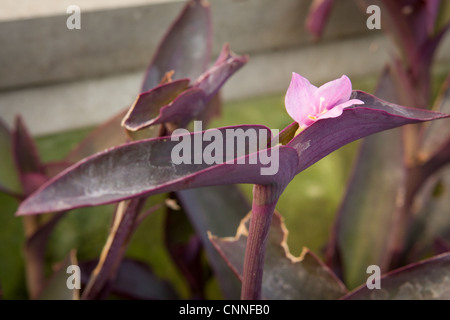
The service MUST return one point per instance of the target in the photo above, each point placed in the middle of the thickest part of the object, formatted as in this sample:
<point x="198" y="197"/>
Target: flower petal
<point x="298" y="98"/>
<point x="332" y="113"/>
<point x="336" y="111"/>
<point x="333" y="93"/>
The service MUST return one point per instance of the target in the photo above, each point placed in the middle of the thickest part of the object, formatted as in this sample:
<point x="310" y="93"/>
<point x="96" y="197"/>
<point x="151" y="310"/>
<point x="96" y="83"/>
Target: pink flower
<point x="306" y="103"/>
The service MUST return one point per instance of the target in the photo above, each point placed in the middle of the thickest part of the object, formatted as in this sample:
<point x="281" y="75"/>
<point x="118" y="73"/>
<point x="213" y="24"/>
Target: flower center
<point x="322" y="109"/>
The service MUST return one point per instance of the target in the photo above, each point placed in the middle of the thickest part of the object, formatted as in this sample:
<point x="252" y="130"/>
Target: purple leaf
<point x="186" y="47"/>
<point x="134" y="280"/>
<point x="32" y="176"/>
<point x="145" y="167"/>
<point x="168" y="103"/>
<point x="9" y="177"/>
<point x="318" y="16"/>
<point x="432" y="13"/>
<point x="376" y="115"/>
<point x="32" y="181"/>
<point x="285" y="277"/>
<point x="427" y="52"/>
<point x="412" y="24"/>
<point x="185" y="248"/>
<point x="187" y="106"/>
<point x="230" y="207"/>
<point x="418" y="77"/>
<point x="425" y="280"/>
<point x="31" y="170"/>
<point x="403" y="17"/>
<point x="226" y="65"/>
<point x="146" y="109"/>
<point x="25" y="150"/>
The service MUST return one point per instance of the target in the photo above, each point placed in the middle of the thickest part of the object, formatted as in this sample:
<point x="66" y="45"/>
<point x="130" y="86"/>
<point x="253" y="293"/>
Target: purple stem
<point x="265" y="199"/>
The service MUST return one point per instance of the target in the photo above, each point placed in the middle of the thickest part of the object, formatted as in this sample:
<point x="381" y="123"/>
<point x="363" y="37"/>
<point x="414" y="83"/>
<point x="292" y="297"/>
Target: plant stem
<point x="114" y="249"/>
<point x="34" y="268"/>
<point x="264" y="201"/>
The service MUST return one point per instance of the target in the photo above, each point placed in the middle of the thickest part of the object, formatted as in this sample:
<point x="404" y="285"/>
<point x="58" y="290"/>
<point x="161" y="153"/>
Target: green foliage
<point x="12" y="278"/>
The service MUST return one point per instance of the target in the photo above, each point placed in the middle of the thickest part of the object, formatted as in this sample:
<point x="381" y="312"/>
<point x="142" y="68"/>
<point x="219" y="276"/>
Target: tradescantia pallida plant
<point x="326" y="118"/>
<point x="178" y="90"/>
<point x="145" y="167"/>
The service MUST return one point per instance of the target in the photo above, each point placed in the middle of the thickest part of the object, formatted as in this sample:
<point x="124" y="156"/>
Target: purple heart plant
<point x="147" y="167"/>
<point x="167" y="158"/>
